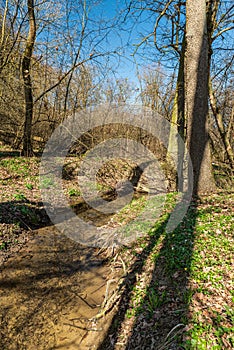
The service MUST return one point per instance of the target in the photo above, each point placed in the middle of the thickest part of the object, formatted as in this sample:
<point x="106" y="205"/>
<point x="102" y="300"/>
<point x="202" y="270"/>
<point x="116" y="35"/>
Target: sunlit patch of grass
<point x="197" y="261"/>
<point x="18" y="165"/>
<point x="211" y="320"/>
<point x="73" y="192"/>
<point x="131" y="210"/>
<point x="29" y="186"/>
<point x="19" y="197"/>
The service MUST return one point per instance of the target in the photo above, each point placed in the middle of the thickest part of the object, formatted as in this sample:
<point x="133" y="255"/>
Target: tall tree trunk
<point x="196" y="96"/>
<point x="178" y="123"/>
<point x="28" y="95"/>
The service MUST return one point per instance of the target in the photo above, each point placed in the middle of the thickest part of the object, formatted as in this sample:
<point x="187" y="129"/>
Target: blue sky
<point x="126" y="67"/>
<point x="121" y="37"/>
<point x="147" y="55"/>
<point x="129" y="35"/>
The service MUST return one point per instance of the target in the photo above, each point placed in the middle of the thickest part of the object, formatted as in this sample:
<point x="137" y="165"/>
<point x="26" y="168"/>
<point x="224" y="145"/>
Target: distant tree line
<point x="56" y="59"/>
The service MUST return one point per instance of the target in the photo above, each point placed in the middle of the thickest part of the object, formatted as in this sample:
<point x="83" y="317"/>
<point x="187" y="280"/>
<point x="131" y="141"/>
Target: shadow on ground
<point x="49" y="291"/>
<point x="24" y="213"/>
<point x="161" y="316"/>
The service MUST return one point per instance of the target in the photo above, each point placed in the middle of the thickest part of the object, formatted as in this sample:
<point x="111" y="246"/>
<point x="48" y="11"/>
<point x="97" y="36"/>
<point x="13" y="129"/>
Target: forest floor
<point x="164" y="291"/>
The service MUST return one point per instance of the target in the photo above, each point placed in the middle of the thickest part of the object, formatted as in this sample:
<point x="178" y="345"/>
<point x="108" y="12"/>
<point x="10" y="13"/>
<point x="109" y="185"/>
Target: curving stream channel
<point x="51" y="290"/>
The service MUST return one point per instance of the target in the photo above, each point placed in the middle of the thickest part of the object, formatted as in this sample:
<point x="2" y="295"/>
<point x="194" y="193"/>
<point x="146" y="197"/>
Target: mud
<point x="50" y="292"/>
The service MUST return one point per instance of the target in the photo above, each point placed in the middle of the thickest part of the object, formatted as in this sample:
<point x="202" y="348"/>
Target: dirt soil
<point x="51" y="288"/>
<point x="49" y="293"/>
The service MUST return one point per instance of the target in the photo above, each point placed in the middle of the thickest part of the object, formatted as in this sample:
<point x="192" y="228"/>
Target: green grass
<point x="18" y="165"/>
<point x="196" y="260"/>
<point x="29" y="186"/>
<point x="212" y="263"/>
<point x="46" y="182"/>
<point x="154" y="300"/>
<point x="3" y="245"/>
<point x="19" y="197"/>
<point x="73" y="192"/>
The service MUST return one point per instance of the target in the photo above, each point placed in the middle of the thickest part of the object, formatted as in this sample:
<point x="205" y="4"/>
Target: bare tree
<point x="218" y="25"/>
<point x="157" y="90"/>
<point x="26" y="72"/>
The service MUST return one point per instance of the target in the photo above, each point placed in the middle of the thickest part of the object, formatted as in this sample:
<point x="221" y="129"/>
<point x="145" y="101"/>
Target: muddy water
<point x="88" y="214"/>
<point x="97" y="217"/>
<point x="51" y="290"/>
<point x="49" y="293"/>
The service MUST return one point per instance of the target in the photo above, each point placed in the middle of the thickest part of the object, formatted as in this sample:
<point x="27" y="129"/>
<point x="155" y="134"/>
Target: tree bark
<point x="28" y="94"/>
<point x="196" y="96"/>
<point x="178" y="123"/>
